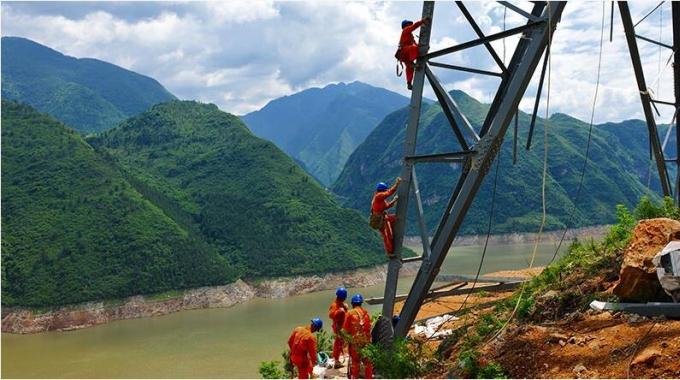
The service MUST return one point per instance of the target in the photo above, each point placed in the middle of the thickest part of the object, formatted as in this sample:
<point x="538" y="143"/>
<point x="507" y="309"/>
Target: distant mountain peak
<point x="321" y="126"/>
<point x="86" y="93"/>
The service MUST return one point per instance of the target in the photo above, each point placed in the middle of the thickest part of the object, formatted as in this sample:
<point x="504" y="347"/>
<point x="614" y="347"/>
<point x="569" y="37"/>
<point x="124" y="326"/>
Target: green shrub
<point x="324" y="341"/>
<point x="271" y="370"/>
<point x="492" y="370"/>
<point x="467" y="363"/>
<point x="404" y="360"/>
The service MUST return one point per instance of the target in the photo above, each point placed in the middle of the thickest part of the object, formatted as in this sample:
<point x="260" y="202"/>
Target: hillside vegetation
<point x="321" y="127"/>
<point x="87" y="94"/>
<point x="239" y="193"/>
<point x="554" y="306"/>
<point x="617" y="173"/>
<point x="74" y="230"/>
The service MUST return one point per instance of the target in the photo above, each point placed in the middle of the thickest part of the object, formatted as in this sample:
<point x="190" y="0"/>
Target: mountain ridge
<point x="322" y="126"/>
<point x="86" y="93"/>
<point x="518" y="199"/>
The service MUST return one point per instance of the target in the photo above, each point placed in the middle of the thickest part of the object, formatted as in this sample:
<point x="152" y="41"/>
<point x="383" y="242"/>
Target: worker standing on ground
<point x="302" y="344"/>
<point x="336" y="313"/>
<point x="380" y="219"/>
<point x="358" y="327"/>
<point x="408" y="48"/>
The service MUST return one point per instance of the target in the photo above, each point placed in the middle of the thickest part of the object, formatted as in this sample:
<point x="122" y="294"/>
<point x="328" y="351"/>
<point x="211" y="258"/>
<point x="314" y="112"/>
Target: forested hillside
<point x="619" y="176"/>
<point x="87" y="94"/>
<point x="73" y="229"/>
<point x="241" y="193"/>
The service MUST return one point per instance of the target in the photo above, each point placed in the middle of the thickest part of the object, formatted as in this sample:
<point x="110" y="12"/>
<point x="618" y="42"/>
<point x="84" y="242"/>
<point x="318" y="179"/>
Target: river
<point x="210" y="343"/>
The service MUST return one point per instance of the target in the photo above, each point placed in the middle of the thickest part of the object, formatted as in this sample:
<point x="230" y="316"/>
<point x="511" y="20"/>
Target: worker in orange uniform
<point x="358" y="327"/>
<point x="408" y="49"/>
<point x="380" y="219"/>
<point x="336" y="312"/>
<point x="302" y="343"/>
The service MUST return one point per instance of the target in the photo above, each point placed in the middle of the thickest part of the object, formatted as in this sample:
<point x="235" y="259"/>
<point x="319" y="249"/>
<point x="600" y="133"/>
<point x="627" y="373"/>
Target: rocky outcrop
<point x="95" y="313"/>
<point x="23" y="321"/>
<point x="638" y="280"/>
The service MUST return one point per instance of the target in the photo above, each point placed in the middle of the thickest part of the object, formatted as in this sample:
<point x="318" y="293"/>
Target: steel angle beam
<point x="456" y="118"/>
<point x="409" y="150"/>
<point x="480" y="34"/>
<point x="486" y="39"/>
<point x="466" y="69"/>
<point x="645" y="98"/>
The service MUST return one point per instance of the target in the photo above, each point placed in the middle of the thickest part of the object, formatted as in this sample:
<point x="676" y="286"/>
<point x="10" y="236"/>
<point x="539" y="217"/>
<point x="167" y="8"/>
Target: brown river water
<point x="210" y="343"/>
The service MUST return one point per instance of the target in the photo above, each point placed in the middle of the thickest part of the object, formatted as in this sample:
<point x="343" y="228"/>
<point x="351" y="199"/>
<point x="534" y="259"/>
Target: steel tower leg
<point x="645" y="98"/>
<point x="675" y="9"/>
<point x="406" y="173"/>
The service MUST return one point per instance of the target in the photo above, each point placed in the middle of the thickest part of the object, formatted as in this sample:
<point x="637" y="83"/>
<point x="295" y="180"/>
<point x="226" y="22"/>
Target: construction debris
<point x="649" y="309"/>
<point x="667" y="264"/>
<point x="432" y="327"/>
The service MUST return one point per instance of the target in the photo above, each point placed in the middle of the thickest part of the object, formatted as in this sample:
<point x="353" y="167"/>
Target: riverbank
<point x="89" y="314"/>
<point x="596" y="232"/>
<point x="73" y="317"/>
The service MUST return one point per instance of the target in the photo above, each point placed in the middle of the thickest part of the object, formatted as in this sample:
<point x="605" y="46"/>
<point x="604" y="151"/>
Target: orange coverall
<point x="302" y="343"/>
<point x="409" y="49"/>
<point x="379" y="204"/>
<point x="336" y="312"/>
<point x="358" y="326"/>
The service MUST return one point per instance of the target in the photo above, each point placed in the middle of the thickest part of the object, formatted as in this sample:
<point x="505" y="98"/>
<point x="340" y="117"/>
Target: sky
<point x="242" y="54"/>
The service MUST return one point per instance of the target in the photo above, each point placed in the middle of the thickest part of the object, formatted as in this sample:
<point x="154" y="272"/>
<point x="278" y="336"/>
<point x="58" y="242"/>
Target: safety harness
<point x="377" y="220"/>
<point x="400" y="62"/>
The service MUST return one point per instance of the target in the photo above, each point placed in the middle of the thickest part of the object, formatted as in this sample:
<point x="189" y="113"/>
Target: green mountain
<point x="206" y="171"/>
<point x="88" y="94"/>
<point x="322" y="126"/>
<point x="73" y="229"/>
<point x="616" y="173"/>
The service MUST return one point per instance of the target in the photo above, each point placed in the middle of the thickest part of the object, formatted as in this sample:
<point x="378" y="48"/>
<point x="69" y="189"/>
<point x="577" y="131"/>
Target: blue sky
<point x="242" y="54"/>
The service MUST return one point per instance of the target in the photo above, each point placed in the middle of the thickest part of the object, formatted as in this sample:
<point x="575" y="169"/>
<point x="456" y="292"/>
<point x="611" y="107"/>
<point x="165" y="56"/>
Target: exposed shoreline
<point x="21" y="320"/>
<point x="595" y="232"/>
<point x="72" y="317"/>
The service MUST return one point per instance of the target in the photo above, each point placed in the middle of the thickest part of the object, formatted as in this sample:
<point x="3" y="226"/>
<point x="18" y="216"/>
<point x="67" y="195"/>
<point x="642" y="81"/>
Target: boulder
<point x="638" y="281"/>
<point x="647" y="357"/>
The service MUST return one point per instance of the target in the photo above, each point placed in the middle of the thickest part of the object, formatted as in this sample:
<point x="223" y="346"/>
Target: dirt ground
<point x="597" y="345"/>
<point x="584" y="345"/>
<point x="452" y="304"/>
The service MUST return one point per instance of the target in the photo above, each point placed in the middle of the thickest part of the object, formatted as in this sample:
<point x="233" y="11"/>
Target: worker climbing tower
<point x="478" y="148"/>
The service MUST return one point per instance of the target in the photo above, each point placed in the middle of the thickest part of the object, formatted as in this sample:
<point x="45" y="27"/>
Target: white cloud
<point x="241" y="54"/>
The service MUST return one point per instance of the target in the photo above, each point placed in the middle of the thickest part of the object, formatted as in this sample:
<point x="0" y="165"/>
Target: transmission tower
<point x="478" y="149"/>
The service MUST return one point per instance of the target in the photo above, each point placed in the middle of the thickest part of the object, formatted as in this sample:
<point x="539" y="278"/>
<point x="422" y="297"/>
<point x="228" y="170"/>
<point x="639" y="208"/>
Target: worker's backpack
<point x="377" y="220"/>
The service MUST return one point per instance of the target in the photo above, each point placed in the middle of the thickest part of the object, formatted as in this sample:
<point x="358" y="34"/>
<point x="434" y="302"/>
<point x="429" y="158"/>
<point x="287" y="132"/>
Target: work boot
<point x="337" y="364"/>
<point x="409" y="86"/>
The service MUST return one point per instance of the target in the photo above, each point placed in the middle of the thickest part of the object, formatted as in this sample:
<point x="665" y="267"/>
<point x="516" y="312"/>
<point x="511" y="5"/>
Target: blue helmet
<point x="317" y="323"/>
<point x="406" y="23"/>
<point x="341" y="293"/>
<point x="395" y="320"/>
<point x="357" y="299"/>
<point x="381" y="186"/>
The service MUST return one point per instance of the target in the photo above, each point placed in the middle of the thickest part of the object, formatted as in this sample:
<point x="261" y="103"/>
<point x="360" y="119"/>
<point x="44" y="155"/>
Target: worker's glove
<point x="396" y="198"/>
<point x="398" y="179"/>
<point x="427" y="20"/>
